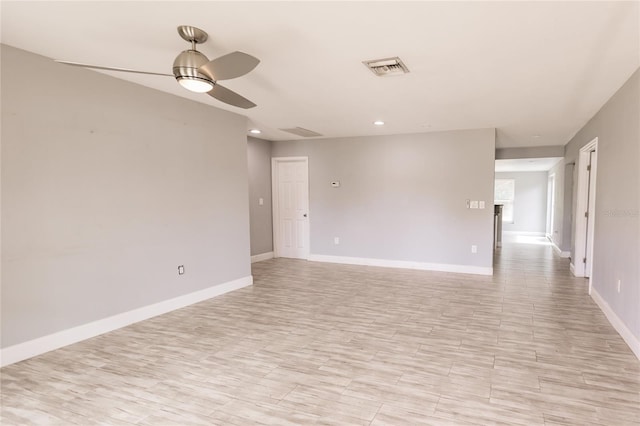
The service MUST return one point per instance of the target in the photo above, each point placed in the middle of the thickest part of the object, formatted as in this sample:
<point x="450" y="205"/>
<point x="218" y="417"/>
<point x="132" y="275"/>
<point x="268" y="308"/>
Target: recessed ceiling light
<point x="379" y="123"/>
<point x="255" y="131"/>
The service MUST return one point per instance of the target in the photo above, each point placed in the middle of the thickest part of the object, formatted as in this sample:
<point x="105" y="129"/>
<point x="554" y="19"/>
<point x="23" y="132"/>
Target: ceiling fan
<point x="198" y="74"/>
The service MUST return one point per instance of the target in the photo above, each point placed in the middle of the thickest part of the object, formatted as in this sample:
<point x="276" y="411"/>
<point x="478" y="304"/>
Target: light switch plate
<point x="261" y="201"/>
<point x="335" y="184"/>
<point x="481" y="204"/>
<point x="474" y="204"/>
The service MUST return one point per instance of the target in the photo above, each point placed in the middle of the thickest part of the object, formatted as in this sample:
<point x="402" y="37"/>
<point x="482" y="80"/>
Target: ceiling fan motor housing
<point x="186" y="66"/>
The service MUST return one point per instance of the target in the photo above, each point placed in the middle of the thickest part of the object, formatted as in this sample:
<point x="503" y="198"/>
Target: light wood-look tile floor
<point x="314" y="343"/>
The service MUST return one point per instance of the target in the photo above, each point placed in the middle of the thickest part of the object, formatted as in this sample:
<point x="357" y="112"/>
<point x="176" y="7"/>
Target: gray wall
<point x="562" y="215"/>
<point x="107" y="187"/>
<point x="259" y="160"/>
<point x="617" y="224"/>
<point x="530" y="202"/>
<point x="402" y="197"/>
<point x="567" y="206"/>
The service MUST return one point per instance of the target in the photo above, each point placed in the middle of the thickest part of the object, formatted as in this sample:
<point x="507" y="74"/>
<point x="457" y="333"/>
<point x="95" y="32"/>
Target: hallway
<point x="319" y="343"/>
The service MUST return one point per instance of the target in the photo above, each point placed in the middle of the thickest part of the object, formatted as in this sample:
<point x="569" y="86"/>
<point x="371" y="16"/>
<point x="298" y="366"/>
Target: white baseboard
<point x="31" y="348"/>
<point x="462" y="269"/>
<point x="617" y="323"/>
<point x="563" y="254"/>
<point x="262" y="256"/>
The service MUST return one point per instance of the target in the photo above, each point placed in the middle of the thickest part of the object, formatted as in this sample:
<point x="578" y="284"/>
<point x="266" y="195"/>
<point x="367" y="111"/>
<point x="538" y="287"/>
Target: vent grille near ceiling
<point x="387" y="66"/>
<point x="299" y="131"/>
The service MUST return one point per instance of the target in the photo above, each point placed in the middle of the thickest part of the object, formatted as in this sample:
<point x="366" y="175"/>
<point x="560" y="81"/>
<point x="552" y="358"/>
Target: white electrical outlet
<point x="481" y="204"/>
<point x="180" y="269"/>
<point x="474" y="248"/>
<point x="618" y="286"/>
<point x="336" y="240"/>
<point x="261" y="201"/>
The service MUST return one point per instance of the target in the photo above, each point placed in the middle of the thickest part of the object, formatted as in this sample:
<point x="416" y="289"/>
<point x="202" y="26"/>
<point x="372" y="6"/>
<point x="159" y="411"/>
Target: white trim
<point x="572" y="269"/>
<point x="262" y="256"/>
<point x="300" y="158"/>
<point x="559" y="252"/>
<point x="528" y="234"/>
<point x="551" y="202"/>
<point x="462" y="269"/>
<point x="616" y="322"/>
<point x="40" y="345"/>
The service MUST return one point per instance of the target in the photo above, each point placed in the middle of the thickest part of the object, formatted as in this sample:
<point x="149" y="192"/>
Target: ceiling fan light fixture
<point x="185" y="69"/>
<point x="195" y="84"/>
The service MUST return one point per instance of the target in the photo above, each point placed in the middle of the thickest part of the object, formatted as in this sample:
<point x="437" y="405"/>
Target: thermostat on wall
<point x="335" y="184"/>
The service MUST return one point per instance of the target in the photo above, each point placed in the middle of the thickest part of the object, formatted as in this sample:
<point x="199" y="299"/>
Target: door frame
<point x="551" y="204"/>
<point x="583" y="235"/>
<point x="274" y="202"/>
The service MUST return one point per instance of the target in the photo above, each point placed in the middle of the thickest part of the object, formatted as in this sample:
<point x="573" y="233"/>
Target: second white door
<point x="291" y="207"/>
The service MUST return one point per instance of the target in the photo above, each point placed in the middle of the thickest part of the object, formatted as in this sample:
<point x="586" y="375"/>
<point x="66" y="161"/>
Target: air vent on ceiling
<point x="299" y="131"/>
<point x="387" y="66"/>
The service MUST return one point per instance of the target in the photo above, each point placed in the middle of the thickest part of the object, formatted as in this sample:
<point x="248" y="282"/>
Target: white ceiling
<point x="525" y="68"/>
<point x="527" y="164"/>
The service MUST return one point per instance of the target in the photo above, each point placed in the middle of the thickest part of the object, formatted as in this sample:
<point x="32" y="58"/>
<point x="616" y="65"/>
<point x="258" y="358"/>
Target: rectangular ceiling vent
<point x="299" y="131"/>
<point x="386" y="67"/>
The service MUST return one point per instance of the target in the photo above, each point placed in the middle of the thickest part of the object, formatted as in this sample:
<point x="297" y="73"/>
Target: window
<point x="504" y="194"/>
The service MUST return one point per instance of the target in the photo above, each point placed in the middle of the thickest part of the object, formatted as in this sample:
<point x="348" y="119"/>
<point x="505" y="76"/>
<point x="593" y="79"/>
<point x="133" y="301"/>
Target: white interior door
<point x="585" y="216"/>
<point x="590" y="216"/>
<point x="291" y="207"/>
